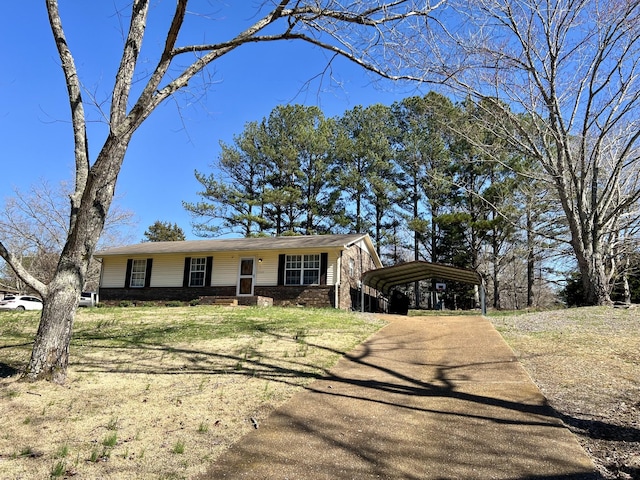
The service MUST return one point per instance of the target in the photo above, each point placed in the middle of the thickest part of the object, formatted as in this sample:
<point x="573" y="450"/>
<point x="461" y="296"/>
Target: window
<point x="302" y="270"/>
<point x="352" y="267"/>
<point x="197" y="272"/>
<point x="138" y="273"/>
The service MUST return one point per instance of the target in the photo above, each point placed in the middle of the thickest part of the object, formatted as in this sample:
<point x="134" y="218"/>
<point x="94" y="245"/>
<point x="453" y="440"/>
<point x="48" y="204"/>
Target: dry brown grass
<point x="147" y="399"/>
<point x="587" y="363"/>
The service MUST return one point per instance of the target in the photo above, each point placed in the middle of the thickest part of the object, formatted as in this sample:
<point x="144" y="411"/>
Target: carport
<point x="384" y="279"/>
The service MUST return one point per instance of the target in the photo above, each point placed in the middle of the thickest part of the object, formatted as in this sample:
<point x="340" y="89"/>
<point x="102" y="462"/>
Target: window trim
<point x="140" y="272"/>
<point x="201" y="262"/>
<point x="303" y="259"/>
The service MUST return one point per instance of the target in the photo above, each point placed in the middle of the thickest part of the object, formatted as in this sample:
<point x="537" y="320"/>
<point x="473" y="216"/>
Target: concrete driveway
<point x="424" y="398"/>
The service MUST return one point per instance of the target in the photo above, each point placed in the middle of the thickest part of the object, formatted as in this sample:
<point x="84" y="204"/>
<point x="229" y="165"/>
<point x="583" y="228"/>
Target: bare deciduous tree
<point x="567" y="74"/>
<point x="359" y="31"/>
<point x="34" y="225"/>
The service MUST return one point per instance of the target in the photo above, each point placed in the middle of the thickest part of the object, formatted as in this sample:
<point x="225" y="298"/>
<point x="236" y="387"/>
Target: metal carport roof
<point x="384" y="279"/>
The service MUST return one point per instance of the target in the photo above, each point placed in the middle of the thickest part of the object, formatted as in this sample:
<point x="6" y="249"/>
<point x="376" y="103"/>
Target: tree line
<point x="424" y="177"/>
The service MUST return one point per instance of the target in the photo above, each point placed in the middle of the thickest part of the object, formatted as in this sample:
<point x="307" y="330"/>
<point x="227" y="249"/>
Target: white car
<point x="20" y="302"/>
<point x="88" y="299"/>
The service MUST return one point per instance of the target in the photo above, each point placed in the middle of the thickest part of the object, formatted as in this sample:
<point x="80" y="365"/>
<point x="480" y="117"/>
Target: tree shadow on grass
<point x="7" y="371"/>
<point x="290" y="371"/>
<point x="600" y="430"/>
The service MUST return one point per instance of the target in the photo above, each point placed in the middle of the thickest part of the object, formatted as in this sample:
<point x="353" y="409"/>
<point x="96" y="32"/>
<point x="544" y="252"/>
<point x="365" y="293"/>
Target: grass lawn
<point x="586" y="361"/>
<point x="157" y="392"/>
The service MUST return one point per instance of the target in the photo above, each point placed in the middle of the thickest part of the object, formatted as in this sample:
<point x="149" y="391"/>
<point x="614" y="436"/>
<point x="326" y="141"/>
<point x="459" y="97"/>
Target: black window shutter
<point x="187" y="271"/>
<point x="281" y="260"/>
<point x="127" y="277"/>
<point x="209" y="269"/>
<point x="147" y="275"/>
<point x="324" y="265"/>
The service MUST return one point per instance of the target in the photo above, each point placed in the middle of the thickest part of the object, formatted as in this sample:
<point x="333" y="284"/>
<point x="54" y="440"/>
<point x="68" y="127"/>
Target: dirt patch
<point x="587" y="363"/>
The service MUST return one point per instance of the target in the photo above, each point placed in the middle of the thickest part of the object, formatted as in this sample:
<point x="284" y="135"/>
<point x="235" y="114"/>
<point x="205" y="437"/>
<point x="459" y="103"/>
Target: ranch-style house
<point x="315" y="271"/>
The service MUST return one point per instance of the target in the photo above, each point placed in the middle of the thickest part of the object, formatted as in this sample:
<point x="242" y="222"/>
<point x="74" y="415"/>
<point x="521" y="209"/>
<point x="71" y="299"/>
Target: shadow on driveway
<point x="424" y="398"/>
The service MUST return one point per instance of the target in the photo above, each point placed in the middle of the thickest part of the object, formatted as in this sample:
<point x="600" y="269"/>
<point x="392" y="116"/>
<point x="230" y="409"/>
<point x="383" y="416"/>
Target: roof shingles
<point x="234" y="244"/>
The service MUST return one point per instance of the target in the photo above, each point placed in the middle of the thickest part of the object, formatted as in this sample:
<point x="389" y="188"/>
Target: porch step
<point x="225" y="301"/>
<point x="235" y="301"/>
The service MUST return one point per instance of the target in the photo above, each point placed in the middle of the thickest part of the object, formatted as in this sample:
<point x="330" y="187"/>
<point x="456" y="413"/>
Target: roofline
<point x="239" y="244"/>
<point x="372" y="248"/>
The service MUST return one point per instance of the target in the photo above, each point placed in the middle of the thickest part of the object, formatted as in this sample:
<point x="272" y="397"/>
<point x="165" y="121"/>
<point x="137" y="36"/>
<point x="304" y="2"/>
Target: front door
<point x="246" y="279"/>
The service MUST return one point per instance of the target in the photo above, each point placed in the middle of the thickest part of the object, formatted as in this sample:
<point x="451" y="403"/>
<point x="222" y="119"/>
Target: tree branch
<point x="128" y="62"/>
<point x="22" y="272"/>
<point x="81" y="150"/>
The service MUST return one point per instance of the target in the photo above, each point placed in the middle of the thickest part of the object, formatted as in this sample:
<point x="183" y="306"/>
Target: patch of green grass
<point x="110" y="440"/>
<point x="58" y="470"/>
<point x="11" y="393"/>
<point x="202" y="384"/>
<point x="178" y="448"/>
<point x="301" y="335"/>
<point x="97" y="455"/>
<point x="26" y="452"/>
<point x="140" y="326"/>
<point x="61" y="452"/>
<point x="267" y="393"/>
<point x="203" y="427"/>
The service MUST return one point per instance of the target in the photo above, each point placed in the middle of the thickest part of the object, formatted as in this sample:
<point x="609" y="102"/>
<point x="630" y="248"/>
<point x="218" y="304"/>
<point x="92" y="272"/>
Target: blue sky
<point x="182" y="135"/>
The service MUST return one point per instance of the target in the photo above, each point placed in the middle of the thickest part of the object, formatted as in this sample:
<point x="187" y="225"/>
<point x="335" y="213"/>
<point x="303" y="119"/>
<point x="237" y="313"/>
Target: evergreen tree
<point x="367" y="174"/>
<point x="164" y="232"/>
<point x="296" y="143"/>
<point x="425" y="160"/>
<point x="233" y="197"/>
<point x="351" y="168"/>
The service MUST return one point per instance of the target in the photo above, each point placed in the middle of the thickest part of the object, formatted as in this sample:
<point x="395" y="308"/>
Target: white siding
<point x="267" y="271"/>
<point x="332" y="267"/>
<point x="168" y="270"/>
<point x="113" y="272"/>
<point x="225" y="270"/>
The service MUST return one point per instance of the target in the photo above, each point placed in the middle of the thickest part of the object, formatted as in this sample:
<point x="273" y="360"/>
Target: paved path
<point x="424" y="398"/>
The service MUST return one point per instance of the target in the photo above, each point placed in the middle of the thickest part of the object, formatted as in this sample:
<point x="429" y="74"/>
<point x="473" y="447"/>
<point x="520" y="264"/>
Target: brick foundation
<point x="318" y="296"/>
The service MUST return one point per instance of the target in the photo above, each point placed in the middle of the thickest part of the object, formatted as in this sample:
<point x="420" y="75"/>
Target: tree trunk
<point x="496" y="273"/>
<point x="50" y="354"/>
<point x="594" y="279"/>
<point x="530" y="260"/>
<point x="416" y="236"/>
<point x="597" y="291"/>
<point x="625" y="282"/>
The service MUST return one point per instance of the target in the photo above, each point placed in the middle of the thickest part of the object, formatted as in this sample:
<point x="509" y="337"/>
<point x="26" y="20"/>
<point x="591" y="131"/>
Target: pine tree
<point x="164" y="232"/>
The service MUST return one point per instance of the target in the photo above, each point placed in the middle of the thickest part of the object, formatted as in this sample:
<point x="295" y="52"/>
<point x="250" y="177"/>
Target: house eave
<point x="260" y="244"/>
